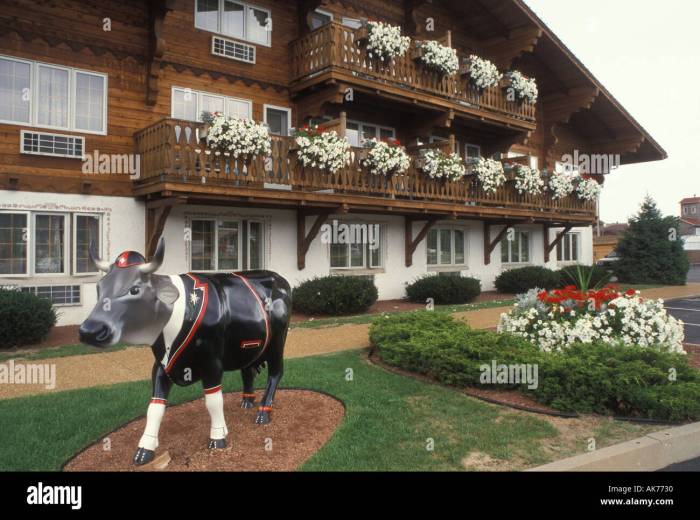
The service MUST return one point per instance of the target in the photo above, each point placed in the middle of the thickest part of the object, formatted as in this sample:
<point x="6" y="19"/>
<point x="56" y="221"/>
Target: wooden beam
<point x="490" y="245"/>
<point x="157" y="213"/>
<point x="410" y="243"/>
<point x="303" y="239"/>
<point x="157" y="11"/>
<point x="548" y="248"/>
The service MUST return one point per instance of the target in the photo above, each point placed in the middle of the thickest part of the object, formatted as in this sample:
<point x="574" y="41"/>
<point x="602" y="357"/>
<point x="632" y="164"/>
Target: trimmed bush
<point x="517" y="281"/>
<point x="444" y="290"/>
<point x="628" y="381"/>
<point x="335" y="295"/>
<point x="25" y="319"/>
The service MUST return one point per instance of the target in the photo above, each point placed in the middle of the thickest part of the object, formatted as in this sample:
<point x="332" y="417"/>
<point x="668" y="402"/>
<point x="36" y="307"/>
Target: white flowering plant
<point x="385" y="42"/>
<point x="439" y="165"/>
<point x="524" y="88"/>
<point x="528" y="180"/>
<point x="483" y="73"/>
<point x="562" y="317"/>
<point x="238" y="137"/>
<point x="439" y="57"/>
<point x="587" y="189"/>
<point x="560" y="185"/>
<point x="490" y="174"/>
<point x="386" y="157"/>
<point x="322" y="149"/>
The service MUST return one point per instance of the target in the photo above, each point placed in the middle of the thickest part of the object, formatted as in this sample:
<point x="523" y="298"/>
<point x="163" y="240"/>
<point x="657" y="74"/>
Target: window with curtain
<point x="89" y="102"/>
<point x="53" y="96"/>
<point x="15" y="81"/>
<point x="87" y="231"/>
<point x="13" y="243"/>
<point x="226" y="244"/>
<point x="568" y="248"/>
<point x="446" y="247"/>
<point x="49" y="244"/>
<point x="358" y="254"/>
<point x="517" y="249"/>
<point x="235" y="19"/>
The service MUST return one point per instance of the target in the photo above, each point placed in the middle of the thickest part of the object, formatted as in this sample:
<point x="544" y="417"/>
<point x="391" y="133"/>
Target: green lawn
<point x="56" y="352"/>
<point x="388" y="422"/>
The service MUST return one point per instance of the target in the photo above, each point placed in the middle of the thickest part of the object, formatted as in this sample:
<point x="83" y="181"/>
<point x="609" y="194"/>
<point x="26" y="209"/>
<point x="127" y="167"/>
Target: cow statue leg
<point x="275" y="368"/>
<point x="156" y="410"/>
<point x="214" y="401"/>
<point x="248" y="376"/>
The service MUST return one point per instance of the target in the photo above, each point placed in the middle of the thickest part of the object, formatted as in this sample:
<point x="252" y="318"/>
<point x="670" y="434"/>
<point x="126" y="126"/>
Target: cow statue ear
<point x="166" y="290"/>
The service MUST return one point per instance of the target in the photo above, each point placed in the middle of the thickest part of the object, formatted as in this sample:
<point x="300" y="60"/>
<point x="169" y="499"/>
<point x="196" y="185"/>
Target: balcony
<point x="333" y="53"/>
<point x="174" y="161"/>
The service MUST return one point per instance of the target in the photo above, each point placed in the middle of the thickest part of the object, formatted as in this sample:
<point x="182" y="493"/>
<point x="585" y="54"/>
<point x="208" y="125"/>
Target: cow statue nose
<point x="95" y="333"/>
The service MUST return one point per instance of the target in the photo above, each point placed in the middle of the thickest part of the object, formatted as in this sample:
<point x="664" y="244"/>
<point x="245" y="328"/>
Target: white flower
<point x="490" y="174"/>
<point x="323" y="150"/>
<point x="524" y="88"/>
<point x="386" y="159"/>
<point x="439" y="57"/>
<point x="588" y="189"/>
<point x="385" y="41"/>
<point x="439" y="165"/>
<point x="482" y="73"/>
<point x="239" y="137"/>
<point x="528" y="180"/>
<point x="561" y="185"/>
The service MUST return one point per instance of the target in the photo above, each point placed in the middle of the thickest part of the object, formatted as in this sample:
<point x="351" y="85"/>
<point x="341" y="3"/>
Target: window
<point x="49" y="244"/>
<point x="357" y="133"/>
<point x="86" y="231"/>
<point x="686" y="210"/>
<point x="516" y="250"/>
<point x="189" y="104"/>
<point x="694" y="210"/>
<point x="56" y="294"/>
<point x="320" y="18"/>
<point x="352" y="23"/>
<point x="357" y="246"/>
<point x="63" y="98"/>
<point x="235" y="19"/>
<point x="568" y="248"/>
<point x="226" y="245"/>
<point x="472" y="151"/>
<point x="446" y="247"/>
<point x="278" y="119"/>
<point x="14" y="252"/>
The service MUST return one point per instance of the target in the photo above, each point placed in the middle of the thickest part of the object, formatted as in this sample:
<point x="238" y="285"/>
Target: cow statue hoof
<point x="263" y="416"/>
<point x="248" y="402"/>
<point x="217" y="444"/>
<point x="144" y="456"/>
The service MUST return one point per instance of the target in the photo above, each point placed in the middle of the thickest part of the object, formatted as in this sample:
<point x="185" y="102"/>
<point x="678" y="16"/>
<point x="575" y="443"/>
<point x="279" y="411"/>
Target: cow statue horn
<point x="157" y="261"/>
<point x="102" y="265"/>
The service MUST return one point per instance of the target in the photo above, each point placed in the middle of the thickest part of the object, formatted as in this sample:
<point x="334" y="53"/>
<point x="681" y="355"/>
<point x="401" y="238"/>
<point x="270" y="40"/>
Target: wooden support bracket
<point x="548" y="248"/>
<point x="411" y="243"/>
<point x="303" y="239"/>
<point x="157" y="213"/>
<point x="490" y="245"/>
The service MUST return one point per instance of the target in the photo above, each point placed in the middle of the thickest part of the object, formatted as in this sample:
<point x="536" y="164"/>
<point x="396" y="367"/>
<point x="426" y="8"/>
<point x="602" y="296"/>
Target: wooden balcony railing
<point x="170" y="151"/>
<point x="335" y="46"/>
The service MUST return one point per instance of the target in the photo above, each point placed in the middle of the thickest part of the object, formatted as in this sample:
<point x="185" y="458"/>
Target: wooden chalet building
<point x="127" y="80"/>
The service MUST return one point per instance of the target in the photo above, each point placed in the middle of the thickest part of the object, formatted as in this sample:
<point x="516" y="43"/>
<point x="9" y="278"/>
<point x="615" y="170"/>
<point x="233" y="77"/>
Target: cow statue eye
<point x="134" y="291"/>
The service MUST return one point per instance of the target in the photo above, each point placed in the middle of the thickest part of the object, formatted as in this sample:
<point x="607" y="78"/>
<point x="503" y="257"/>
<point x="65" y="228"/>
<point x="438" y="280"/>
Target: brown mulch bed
<point x="302" y="422"/>
<point x="510" y="398"/>
<point x="404" y="305"/>
<point x="693" y="355"/>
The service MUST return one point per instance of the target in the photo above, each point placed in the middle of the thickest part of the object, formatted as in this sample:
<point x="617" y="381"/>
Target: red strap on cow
<point x="265" y="408"/>
<point x="248" y="395"/>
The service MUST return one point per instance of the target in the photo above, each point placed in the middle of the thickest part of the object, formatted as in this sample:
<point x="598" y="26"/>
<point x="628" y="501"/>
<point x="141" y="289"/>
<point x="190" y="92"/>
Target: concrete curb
<point x="649" y="453"/>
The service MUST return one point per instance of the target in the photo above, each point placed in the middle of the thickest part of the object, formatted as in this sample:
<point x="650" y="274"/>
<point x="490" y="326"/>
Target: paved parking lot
<point x="694" y="274"/>
<point x="688" y="310"/>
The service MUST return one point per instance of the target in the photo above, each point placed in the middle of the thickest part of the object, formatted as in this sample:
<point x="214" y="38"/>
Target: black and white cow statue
<point x="199" y="326"/>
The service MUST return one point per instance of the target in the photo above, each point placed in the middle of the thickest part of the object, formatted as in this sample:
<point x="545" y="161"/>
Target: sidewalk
<point x="134" y="364"/>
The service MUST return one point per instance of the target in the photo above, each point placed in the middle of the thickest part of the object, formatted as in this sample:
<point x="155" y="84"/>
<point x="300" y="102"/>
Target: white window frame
<point x="510" y="251"/>
<point x="240" y="221"/>
<point x="215" y="255"/>
<point x="72" y="95"/>
<point x="281" y="109"/>
<point x="577" y="251"/>
<point x="324" y="13"/>
<point x="361" y="126"/>
<point x="247" y="246"/>
<point x="453" y="250"/>
<point x="351" y="23"/>
<point x="74" y="242"/>
<point x="366" y="256"/>
<point x="466" y="147"/>
<point x="67" y="245"/>
<point x="28" y="252"/>
<point x="199" y="94"/>
<point x="246" y="7"/>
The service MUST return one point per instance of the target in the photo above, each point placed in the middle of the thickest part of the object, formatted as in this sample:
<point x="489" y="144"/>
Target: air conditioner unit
<point x="232" y="49"/>
<point x="54" y="145"/>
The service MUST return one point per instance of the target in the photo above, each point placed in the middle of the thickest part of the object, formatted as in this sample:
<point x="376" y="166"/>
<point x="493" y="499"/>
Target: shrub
<point x="620" y="380"/>
<point x="335" y="295"/>
<point x="647" y="255"/>
<point x="444" y="290"/>
<point x="569" y="275"/>
<point x="24" y="318"/>
<point x="516" y="281"/>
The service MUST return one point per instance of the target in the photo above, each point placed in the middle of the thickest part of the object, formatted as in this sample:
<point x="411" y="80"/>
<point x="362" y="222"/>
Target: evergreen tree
<point x="651" y="250"/>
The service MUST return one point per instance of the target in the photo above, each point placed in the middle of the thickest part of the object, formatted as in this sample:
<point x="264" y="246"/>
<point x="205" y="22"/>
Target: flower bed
<point x="554" y="320"/>
<point x="490" y="174"/>
<point x="324" y="150"/>
<point x="528" y="180"/>
<point x="386" y="157"/>
<point x="524" y="88"/>
<point x="438" y="165"/>
<point x="385" y="42"/>
<point x="482" y="73"/>
<point x="439" y="57"/>
<point x="239" y="137"/>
